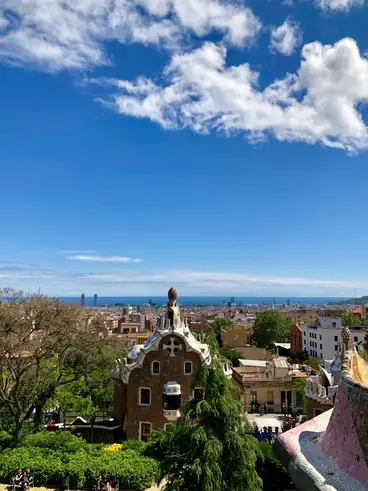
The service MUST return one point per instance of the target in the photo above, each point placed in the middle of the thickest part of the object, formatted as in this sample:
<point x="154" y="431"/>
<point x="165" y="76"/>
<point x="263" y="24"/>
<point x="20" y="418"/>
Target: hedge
<point x="54" y="456"/>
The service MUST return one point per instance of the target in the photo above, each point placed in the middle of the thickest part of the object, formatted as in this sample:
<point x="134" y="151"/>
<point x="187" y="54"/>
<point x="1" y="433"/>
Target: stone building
<point x="272" y="382"/>
<point x="157" y="377"/>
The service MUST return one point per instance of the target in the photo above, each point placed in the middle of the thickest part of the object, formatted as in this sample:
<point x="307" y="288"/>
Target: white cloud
<point x="84" y="251"/>
<point x="335" y="5"/>
<point x="189" y="282"/>
<point x="70" y="34"/>
<point x="319" y="103"/>
<point x="286" y="37"/>
<point x="104" y="259"/>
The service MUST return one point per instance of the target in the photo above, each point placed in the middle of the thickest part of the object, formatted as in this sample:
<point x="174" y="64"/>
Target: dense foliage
<point x="44" y="346"/>
<point x="219" y="325"/>
<point x="270" y="327"/>
<point x="313" y="362"/>
<point x="208" y="449"/>
<point x="53" y="457"/>
<point x="274" y="475"/>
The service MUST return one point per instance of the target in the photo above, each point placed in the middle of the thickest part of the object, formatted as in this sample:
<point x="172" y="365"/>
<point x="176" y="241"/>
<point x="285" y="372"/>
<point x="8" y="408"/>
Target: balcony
<point x="172" y="414"/>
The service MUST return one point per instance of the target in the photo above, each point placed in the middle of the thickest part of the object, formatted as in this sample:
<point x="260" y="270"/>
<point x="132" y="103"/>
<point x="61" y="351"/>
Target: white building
<point x="323" y="338"/>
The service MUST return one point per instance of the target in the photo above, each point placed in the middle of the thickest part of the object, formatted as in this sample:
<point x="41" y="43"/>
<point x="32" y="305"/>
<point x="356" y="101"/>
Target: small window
<point x="188" y="368"/>
<point x="321" y="356"/>
<point x="335" y="338"/>
<point x="253" y="397"/>
<point x="336" y="347"/>
<point x="320" y="337"/>
<point x="334" y="324"/>
<point x="304" y="333"/>
<point x="155" y="368"/>
<point x="197" y="393"/>
<point x="355" y="339"/>
<point x="144" y="397"/>
<point x="167" y="425"/>
<point x="320" y="346"/>
<point x="145" y="430"/>
<point x="270" y="397"/>
<point x="305" y="341"/>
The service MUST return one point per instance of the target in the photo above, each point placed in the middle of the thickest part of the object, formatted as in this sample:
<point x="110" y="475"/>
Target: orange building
<point x="295" y="339"/>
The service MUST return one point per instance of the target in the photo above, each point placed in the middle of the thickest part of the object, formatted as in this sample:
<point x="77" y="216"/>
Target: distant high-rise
<point x="83" y="299"/>
<point x="95" y="300"/>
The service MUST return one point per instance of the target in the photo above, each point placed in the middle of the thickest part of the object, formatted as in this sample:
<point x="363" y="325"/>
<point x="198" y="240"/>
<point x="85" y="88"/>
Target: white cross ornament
<point x="172" y="347"/>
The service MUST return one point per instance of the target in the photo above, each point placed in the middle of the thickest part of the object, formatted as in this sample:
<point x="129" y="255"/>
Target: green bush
<point x="6" y="440"/>
<point x="57" y="440"/>
<point x="47" y="466"/>
<point x="54" y="456"/>
<point x="135" y="445"/>
<point x="273" y="474"/>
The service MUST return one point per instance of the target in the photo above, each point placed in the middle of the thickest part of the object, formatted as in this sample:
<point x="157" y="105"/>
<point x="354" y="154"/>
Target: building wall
<point x="239" y="335"/>
<point x="171" y="370"/>
<point x="263" y="388"/>
<point x="314" y="408"/>
<point x="323" y="342"/>
<point x="296" y="339"/>
<point x="301" y="316"/>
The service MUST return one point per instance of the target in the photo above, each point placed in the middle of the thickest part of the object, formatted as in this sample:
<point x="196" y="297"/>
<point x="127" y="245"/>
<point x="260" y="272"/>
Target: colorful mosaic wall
<point x="346" y="437"/>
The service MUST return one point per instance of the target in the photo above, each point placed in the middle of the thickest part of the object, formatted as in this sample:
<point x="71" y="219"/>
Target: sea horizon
<point x="201" y="300"/>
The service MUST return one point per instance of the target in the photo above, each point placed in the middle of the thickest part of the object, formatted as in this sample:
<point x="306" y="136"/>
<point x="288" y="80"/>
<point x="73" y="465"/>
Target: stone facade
<point x="238" y="335"/>
<point x="276" y="386"/>
<point x="130" y="412"/>
<point x="157" y="378"/>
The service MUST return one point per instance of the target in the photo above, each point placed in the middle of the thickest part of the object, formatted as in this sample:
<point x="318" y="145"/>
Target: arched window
<point x="155" y="368"/>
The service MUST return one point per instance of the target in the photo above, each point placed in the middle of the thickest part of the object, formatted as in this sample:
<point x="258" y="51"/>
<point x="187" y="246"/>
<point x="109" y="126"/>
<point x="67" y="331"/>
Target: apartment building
<point x="323" y="338"/>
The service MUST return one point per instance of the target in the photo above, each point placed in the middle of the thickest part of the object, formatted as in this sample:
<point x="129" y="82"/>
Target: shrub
<point x="47" y="467"/>
<point x="54" y="456"/>
<point x="271" y="471"/>
<point x="135" y="445"/>
<point x="58" y="440"/>
<point x="6" y="440"/>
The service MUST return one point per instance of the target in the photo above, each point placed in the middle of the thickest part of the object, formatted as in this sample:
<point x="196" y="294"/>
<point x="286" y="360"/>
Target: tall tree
<point x="219" y="325"/>
<point x="271" y="327"/>
<point x="208" y="449"/>
<point x="44" y="344"/>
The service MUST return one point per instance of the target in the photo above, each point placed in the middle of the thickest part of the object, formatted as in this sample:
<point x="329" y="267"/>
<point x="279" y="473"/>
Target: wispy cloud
<point x="103" y="259"/>
<point x="336" y="5"/>
<point x="68" y="251"/>
<point x="189" y="282"/>
<point x="286" y="37"/>
<point x="70" y="34"/>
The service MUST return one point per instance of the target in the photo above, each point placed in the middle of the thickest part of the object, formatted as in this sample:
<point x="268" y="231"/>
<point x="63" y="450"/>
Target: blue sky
<point x="220" y="147"/>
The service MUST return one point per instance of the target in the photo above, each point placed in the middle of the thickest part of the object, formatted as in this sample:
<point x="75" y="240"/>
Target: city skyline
<point x="219" y="146"/>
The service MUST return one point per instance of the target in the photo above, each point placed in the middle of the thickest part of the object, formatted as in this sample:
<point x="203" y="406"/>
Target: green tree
<point x="313" y="362"/>
<point x="231" y="355"/>
<point x="219" y="325"/>
<point x="351" y="320"/>
<point x="271" y="326"/>
<point x="273" y="474"/>
<point x="300" y="386"/>
<point x="44" y="344"/>
<point x="208" y="449"/>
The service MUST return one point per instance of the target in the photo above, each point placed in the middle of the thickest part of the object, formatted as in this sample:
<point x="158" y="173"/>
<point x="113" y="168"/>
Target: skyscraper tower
<point x="83" y="299"/>
<point x="95" y="300"/>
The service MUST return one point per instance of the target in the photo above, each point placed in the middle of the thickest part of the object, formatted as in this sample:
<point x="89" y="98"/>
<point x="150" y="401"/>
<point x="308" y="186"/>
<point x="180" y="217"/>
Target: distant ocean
<point x="102" y="301"/>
